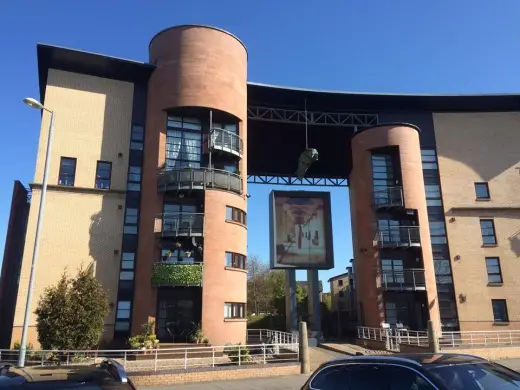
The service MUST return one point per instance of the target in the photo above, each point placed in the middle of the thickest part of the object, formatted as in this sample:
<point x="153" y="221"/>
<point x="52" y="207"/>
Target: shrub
<point x="145" y="340"/>
<point x="234" y="350"/>
<point x="71" y="314"/>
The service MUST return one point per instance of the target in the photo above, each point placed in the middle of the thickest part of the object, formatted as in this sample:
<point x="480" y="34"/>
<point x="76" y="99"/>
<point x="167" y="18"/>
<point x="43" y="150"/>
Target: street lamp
<point x="23" y="345"/>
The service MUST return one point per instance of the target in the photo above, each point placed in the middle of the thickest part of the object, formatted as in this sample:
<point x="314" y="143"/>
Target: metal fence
<point x="399" y="236"/>
<point x="394" y="337"/>
<point x="164" y="358"/>
<point x="258" y="336"/>
<point x="406" y="279"/>
<point x="221" y="139"/>
<point x="479" y="339"/>
<point x="447" y="340"/>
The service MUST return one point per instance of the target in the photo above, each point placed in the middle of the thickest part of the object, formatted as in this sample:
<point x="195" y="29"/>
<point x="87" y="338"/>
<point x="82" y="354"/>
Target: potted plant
<point x="178" y="244"/>
<point x="187" y="254"/>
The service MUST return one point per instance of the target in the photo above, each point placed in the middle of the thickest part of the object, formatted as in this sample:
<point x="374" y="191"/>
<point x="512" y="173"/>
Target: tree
<point x="257" y="272"/>
<point x="70" y="315"/>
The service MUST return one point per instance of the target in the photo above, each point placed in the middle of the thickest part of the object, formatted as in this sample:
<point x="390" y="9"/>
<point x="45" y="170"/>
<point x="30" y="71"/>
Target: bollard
<point x="433" y="340"/>
<point x="304" y="348"/>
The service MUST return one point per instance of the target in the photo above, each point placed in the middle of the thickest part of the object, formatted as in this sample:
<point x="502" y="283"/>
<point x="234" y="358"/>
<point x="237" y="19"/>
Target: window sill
<point x="489" y="245"/>
<point x="89" y="190"/>
<point x="495" y="284"/>
<point x="236" y="223"/>
<point x="505" y="323"/>
<point x="235" y="319"/>
<point x="483" y="200"/>
<point x="235" y="269"/>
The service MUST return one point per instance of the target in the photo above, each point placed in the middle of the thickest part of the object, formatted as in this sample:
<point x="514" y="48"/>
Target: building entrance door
<point x="178" y="313"/>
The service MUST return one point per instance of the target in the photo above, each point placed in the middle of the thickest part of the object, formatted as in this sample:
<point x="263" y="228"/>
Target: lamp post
<point x="23" y="345"/>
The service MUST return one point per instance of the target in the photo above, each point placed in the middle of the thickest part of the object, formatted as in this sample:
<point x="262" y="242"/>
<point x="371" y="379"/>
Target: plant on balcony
<point x="176" y="274"/>
<point x="178" y="244"/>
<point x="187" y="253"/>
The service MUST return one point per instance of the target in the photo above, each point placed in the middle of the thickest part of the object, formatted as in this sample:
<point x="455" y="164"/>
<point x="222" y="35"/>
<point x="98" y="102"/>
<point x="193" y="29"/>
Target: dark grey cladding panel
<point x="422" y="119"/>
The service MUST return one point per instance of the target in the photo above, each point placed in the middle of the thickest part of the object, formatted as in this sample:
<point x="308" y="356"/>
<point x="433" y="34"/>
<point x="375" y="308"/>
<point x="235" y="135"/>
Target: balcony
<point x="187" y="179"/>
<point x="176" y="274"/>
<point x="180" y="225"/>
<point x="225" y="141"/>
<point x="388" y="198"/>
<point x="399" y="236"/>
<point x="404" y="280"/>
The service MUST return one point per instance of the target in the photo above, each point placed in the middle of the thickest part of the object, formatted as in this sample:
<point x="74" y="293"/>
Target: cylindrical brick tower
<point x="194" y="204"/>
<point x="393" y="261"/>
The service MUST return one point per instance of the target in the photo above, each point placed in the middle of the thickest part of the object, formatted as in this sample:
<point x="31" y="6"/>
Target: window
<point x="393" y="271"/>
<point x="134" y="179"/>
<point x="429" y="159"/>
<point x="500" y="310"/>
<point x="327" y="378"/>
<point x="127" y="260"/>
<point x="123" y="309"/>
<point x="131" y="217"/>
<point x="487" y="228"/>
<point x="126" y="275"/>
<point x="433" y="195"/>
<point x="235" y="260"/>
<point x="122" y="326"/>
<point x="340" y="282"/>
<point x="183" y="142"/>
<point x="137" y="137"/>
<point x="103" y="174"/>
<point x="236" y="215"/>
<point x="493" y="270"/>
<point x="231" y="127"/>
<point x="482" y="190"/>
<point x="234" y="310"/>
<point x="67" y="171"/>
<point x="373" y="376"/>
<point x="382" y="175"/>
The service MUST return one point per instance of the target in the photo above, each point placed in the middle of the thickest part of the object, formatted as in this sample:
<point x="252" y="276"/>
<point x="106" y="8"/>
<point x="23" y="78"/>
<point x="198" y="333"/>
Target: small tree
<point x="70" y="315"/>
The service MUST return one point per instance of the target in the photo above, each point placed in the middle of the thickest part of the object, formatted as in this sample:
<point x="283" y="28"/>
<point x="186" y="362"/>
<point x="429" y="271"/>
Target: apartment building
<point x="149" y="173"/>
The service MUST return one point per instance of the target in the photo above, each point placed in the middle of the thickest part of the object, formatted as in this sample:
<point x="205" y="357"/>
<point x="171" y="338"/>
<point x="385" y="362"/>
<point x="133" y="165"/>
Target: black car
<point x="107" y="375"/>
<point x="412" y="372"/>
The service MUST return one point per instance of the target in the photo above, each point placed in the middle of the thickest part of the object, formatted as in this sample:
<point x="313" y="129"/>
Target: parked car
<point x="412" y="372"/>
<point x="107" y="375"/>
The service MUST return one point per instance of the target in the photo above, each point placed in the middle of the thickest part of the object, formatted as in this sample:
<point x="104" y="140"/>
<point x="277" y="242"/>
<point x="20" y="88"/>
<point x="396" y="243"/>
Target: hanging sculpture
<point x="306" y="159"/>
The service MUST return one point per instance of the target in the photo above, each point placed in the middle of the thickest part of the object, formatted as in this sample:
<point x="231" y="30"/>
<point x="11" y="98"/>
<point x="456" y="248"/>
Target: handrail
<point x="413" y="278"/>
<point x="399" y="236"/>
<point x="175" y="179"/>
<point x="180" y="224"/>
<point x="226" y="140"/>
<point x="389" y="196"/>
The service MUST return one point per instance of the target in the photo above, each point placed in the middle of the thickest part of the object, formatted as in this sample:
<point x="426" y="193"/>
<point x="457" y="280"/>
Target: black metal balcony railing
<point x="177" y="274"/>
<point x="399" y="236"/>
<point x="408" y="279"/>
<point x="180" y="224"/>
<point x="389" y="197"/>
<point x="198" y="179"/>
<point x="227" y="141"/>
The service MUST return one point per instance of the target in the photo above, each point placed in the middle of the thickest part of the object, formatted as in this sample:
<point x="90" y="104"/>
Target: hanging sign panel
<point x="301" y="230"/>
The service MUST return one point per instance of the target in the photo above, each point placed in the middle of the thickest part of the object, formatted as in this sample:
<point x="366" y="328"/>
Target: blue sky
<point x="399" y="46"/>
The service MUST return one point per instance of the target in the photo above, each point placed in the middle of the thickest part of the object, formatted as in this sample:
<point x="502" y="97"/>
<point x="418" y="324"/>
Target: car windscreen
<point x="475" y="376"/>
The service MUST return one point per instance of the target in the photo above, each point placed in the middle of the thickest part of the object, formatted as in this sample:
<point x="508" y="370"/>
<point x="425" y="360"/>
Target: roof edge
<point x="203" y="26"/>
<point x="390" y="124"/>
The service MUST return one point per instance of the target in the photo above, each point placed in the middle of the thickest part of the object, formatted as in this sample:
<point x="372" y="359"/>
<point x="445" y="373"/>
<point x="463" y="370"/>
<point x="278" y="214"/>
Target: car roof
<point x="417" y="359"/>
<point x="37" y="374"/>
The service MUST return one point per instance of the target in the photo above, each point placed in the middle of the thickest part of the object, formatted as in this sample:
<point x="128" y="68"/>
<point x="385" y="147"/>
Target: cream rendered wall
<point x="81" y="226"/>
<point x="481" y="147"/>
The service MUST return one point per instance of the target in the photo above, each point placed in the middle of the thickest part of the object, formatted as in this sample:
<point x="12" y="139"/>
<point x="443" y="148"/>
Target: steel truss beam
<point x="358" y="121"/>
<point x="290" y="180"/>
